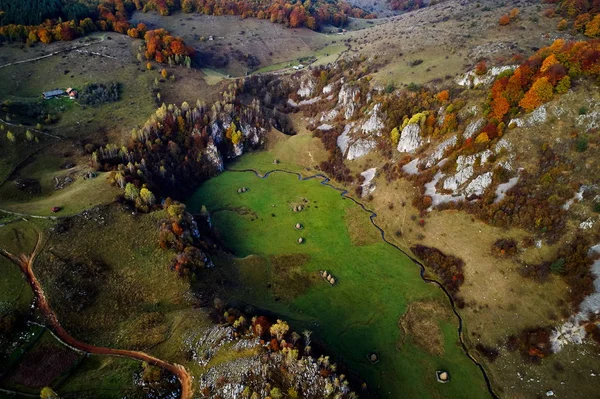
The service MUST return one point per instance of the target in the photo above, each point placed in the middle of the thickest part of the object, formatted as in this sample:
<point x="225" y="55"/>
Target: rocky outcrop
<point x="410" y="138"/>
<point x="537" y="117"/>
<point x="347" y="100"/>
<point x="473" y="128"/>
<point x="360" y="148"/>
<point x="213" y="157"/>
<point x="374" y="124"/>
<point x="307" y="87"/>
<point x="439" y="152"/>
<point x="471" y="79"/>
<point x="368" y="186"/>
<point x="343" y="139"/>
<point x="478" y="185"/>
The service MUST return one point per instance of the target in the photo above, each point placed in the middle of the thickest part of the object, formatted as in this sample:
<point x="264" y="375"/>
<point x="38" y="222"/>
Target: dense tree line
<point x="536" y="81"/>
<point x="584" y="15"/>
<point x="110" y="15"/>
<point x="34" y="12"/>
<point x="294" y="13"/>
<point x="410" y="5"/>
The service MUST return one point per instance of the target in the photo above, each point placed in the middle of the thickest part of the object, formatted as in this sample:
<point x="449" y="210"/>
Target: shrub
<point x="581" y="144"/>
<point x="504" y="20"/>
<point x="558" y="266"/>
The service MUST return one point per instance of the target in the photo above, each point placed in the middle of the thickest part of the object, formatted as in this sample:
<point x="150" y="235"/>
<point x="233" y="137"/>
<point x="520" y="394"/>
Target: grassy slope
<point x="376" y="282"/>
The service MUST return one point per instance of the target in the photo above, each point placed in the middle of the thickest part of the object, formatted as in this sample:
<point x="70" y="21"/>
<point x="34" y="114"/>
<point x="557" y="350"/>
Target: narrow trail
<point x="52" y="54"/>
<point x="25" y="264"/>
<point x="344" y="193"/>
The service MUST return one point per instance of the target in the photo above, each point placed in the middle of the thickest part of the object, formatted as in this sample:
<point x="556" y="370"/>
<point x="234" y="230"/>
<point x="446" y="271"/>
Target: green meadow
<point x="375" y="283"/>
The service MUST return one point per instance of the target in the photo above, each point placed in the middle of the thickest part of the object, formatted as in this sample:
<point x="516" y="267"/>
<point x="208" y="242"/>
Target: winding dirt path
<point x="25" y="263"/>
<point x="372" y="215"/>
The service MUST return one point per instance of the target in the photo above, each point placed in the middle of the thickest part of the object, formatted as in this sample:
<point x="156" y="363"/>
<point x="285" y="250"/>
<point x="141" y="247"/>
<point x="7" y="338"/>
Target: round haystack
<point x="373" y="357"/>
<point x="300" y="240"/>
<point x="239" y="190"/>
<point x="442" y="376"/>
<point x="324" y="274"/>
<point x="298" y="226"/>
<point x="332" y="281"/>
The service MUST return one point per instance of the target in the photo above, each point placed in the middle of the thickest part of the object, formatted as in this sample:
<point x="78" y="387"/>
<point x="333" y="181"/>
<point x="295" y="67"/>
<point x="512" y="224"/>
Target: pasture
<point x="375" y="283"/>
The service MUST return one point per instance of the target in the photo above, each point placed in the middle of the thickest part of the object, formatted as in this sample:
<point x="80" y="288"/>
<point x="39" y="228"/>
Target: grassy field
<point x="273" y="45"/>
<point x="375" y="281"/>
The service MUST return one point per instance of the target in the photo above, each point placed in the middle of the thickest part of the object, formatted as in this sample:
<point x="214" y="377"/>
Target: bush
<point x="581" y="144"/>
<point x="96" y="94"/>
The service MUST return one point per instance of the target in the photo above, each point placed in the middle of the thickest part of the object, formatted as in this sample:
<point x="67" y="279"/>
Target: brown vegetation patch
<point x="448" y="268"/>
<point x="533" y="344"/>
<point x="287" y="277"/>
<point x="572" y="263"/>
<point x="43" y="365"/>
<point x="420" y="323"/>
<point x="504" y="247"/>
<point x="359" y="233"/>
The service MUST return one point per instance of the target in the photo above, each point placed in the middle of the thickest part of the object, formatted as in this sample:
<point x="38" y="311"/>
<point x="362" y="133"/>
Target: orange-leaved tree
<point x="540" y="92"/>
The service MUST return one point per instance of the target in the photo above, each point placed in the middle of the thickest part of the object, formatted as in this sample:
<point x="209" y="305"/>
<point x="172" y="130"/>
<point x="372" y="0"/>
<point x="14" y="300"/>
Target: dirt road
<point x="25" y="263"/>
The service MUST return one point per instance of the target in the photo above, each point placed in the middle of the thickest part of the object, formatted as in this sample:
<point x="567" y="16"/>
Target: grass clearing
<point x="360" y="313"/>
<point x="299" y="153"/>
<point x="234" y="39"/>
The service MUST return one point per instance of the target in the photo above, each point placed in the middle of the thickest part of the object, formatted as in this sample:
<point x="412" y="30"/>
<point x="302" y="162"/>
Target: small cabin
<point x="53" y="94"/>
<point x="72" y="93"/>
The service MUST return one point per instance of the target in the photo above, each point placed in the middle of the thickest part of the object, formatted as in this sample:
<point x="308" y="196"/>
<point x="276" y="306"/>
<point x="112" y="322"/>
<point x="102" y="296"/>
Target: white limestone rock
<point x="587" y="224"/>
<point x="478" y="185"/>
<point x="329" y="116"/>
<point x="591" y="120"/>
<point x="343" y="139"/>
<point x="471" y="79"/>
<point x="368" y="186"/>
<point x="503" y="188"/>
<point x="325" y="127"/>
<point x="216" y="132"/>
<point x="309" y="101"/>
<point x="347" y="100"/>
<point x="410" y="138"/>
<point x="374" y="124"/>
<point x="439" y="152"/>
<point x="411" y="168"/>
<point x="473" y="128"/>
<point x="328" y="89"/>
<point x="306" y="89"/>
<point x="439" y="198"/>
<point x="213" y="156"/>
<point x="360" y="148"/>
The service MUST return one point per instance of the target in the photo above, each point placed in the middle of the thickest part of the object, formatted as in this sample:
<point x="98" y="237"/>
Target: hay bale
<point x="442" y="376"/>
<point x="300" y="240"/>
<point x="298" y="226"/>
